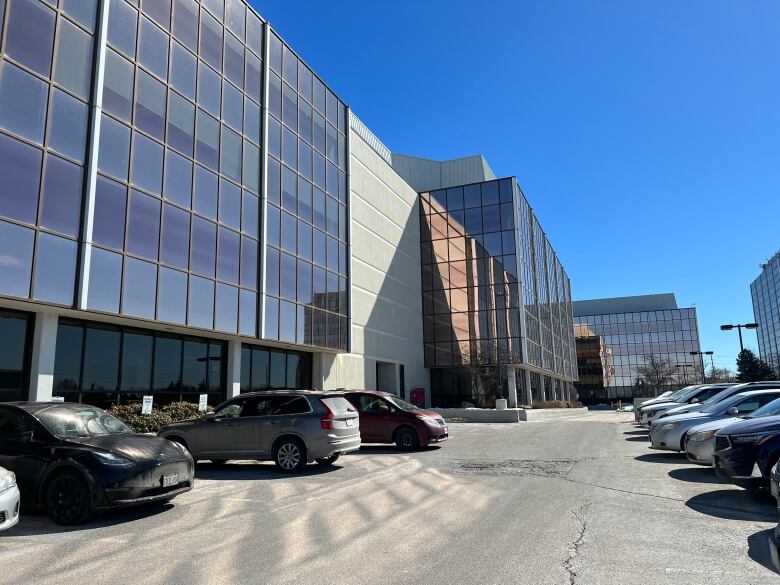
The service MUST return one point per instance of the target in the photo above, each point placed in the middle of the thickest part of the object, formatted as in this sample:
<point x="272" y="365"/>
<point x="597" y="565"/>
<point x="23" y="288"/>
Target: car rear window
<point x="338" y="405"/>
<point x="289" y="405"/>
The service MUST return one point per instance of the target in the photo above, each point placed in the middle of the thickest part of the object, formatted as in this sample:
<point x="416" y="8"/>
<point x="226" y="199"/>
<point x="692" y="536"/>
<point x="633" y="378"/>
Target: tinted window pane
<point x="274" y="180"/>
<point x="271" y="325"/>
<point x="83" y="11"/>
<point x="304" y="282"/>
<point x="229" y="204"/>
<point x="159" y="10"/>
<point x="205" y="195"/>
<point x="288" y="277"/>
<point x="207" y="145"/>
<point x="211" y="41"/>
<point x="73" y="61"/>
<point x="114" y="147"/>
<point x="147" y="164"/>
<point x="30" y="32"/>
<point x="101" y="360"/>
<point x="67" y="361"/>
<point x="228" y="256"/>
<point x="272" y="271"/>
<point x="105" y="274"/>
<point x="252" y="120"/>
<point x="261" y="361"/>
<point x="204" y="244"/>
<point x="226" y="318"/>
<point x="232" y="106"/>
<point x="20" y="169"/>
<point x="183" y="70"/>
<point x="167" y="365"/>
<point x="118" y="85"/>
<point x="68" y="126"/>
<point x="178" y="179"/>
<point x="55" y="269"/>
<point x="153" y="49"/>
<point x="136" y="362"/>
<point x="175" y="247"/>
<point x="251" y="166"/>
<point x="247" y="311"/>
<point x="181" y="124"/>
<point x="122" y="23"/>
<point x="230" y="162"/>
<point x="143" y="227"/>
<point x="248" y="263"/>
<point x="194" y="362"/>
<point x="200" y="312"/>
<point x="289" y="233"/>
<point x="17" y="259"/>
<point x="61" y="197"/>
<point x="22" y="103"/>
<point x="140" y="288"/>
<point x="234" y="60"/>
<point x="172" y="299"/>
<point x="250" y="214"/>
<point x="150" y="105"/>
<point x="254" y="77"/>
<point x="273" y="225"/>
<point x="254" y="33"/>
<point x="234" y="17"/>
<point x="109" y="223"/>
<point x="209" y="90"/>
<point x="185" y="22"/>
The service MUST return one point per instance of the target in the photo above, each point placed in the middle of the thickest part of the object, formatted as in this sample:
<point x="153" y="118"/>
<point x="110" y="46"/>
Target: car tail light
<point x="326" y="422"/>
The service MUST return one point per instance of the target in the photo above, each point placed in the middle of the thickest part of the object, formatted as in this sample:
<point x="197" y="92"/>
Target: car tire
<point x="328" y="460"/>
<point x="406" y="438"/>
<point x="290" y="455"/>
<point x="68" y="499"/>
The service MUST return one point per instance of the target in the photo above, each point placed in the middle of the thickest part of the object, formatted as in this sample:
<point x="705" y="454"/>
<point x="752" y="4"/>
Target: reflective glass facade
<point x="612" y="349"/>
<point x="494" y="293"/>
<point x="765" y="291"/>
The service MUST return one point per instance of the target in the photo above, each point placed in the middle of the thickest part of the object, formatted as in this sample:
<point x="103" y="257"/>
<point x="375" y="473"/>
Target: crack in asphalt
<point x="574" y="549"/>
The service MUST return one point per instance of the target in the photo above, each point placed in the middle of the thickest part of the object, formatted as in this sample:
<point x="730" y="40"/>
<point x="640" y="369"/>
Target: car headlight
<point x="702" y="435"/>
<point x="7" y="481"/>
<point x="431" y="420"/>
<point x="112" y="460"/>
<point x="669" y="427"/>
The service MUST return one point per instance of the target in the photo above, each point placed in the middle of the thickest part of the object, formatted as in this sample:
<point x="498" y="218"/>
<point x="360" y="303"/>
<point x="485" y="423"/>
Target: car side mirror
<point x="694" y="401"/>
<point x="733" y="411"/>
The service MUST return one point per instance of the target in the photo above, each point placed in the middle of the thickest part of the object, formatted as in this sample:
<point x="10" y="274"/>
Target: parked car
<point x="290" y="427"/>
<point x="9" y="499"/>
<point x="699" y="393"/>
<point x="698" y="405"/>
<point x="774" y="539"/>
<point x="73" y="460"/>
<point x="385" y="418"/>
<point x="667" y="396"/>
<point x="700" y="440"/>
<point x="668" y="433"/>
<point x="746" y="451"/>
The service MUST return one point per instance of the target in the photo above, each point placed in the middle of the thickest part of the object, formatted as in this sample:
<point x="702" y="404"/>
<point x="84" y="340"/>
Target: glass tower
<point x="765" y="291"/>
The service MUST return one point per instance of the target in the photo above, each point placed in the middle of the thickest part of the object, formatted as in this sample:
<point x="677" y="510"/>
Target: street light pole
<point x="739" y="327"/>
<point x="702" y="354"/>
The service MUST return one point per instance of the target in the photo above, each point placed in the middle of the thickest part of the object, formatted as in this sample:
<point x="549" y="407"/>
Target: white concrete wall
<point x="386" y="285"/>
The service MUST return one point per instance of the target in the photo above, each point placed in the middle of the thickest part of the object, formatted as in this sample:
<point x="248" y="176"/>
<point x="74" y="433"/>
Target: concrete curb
<point x="535" y="414"/>
<point x="510" y="415"/>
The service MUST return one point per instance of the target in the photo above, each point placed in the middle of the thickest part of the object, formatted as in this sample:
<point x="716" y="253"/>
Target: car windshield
<point x="771" y="409"/>
<point x="722" y="395"/>
<point x="402" y="404"/>
<point x="723" y="405"/>
<point x="70" y="421"/>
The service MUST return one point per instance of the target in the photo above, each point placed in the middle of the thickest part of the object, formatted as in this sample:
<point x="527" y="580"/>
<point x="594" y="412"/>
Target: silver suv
<point x="290" y="427"/>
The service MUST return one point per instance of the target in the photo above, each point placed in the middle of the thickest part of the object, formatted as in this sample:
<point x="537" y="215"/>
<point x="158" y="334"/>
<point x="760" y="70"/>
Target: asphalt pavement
<point x="581" y="500"/>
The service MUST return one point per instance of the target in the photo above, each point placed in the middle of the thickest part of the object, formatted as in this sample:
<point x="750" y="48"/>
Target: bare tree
<point x="720" y="375"/>
<point x="656" y="373"/>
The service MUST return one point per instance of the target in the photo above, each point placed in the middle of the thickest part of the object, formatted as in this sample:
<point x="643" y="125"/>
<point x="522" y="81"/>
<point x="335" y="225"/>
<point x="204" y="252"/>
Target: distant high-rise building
<point x="765" y="291"/>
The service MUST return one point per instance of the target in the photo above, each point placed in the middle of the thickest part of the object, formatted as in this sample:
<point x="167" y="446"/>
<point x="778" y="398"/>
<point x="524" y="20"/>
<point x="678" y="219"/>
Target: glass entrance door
<point x="13" y="355"/>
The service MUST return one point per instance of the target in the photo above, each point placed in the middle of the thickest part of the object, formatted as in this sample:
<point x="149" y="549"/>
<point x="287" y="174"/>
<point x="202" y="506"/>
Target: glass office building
<point x="175" y="179"/>
<point x="497" y="316"/>
<point x="765" y="291"/>
<point x="616" y="337"/>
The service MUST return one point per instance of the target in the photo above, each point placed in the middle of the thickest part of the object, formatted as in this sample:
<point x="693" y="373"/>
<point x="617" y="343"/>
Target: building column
<point x="234" y="368"/>
<point x="543" y="387"/>
<point x="529" y="395"/>
<point x="511" y="383"/>
<point x="44" y="348"/>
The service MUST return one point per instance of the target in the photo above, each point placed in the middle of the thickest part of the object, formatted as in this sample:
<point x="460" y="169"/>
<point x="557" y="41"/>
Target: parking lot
<point x="581" y="500"/>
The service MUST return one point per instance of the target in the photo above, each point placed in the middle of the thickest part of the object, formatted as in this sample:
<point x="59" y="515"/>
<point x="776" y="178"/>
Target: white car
<point x="9" y="499"/>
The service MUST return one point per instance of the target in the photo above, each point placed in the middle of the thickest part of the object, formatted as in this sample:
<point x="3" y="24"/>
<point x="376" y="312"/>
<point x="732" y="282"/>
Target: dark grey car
<point x="290" y="427"/>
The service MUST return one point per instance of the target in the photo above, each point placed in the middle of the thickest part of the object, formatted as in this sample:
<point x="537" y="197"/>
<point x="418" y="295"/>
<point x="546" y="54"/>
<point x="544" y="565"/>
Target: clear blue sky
<point x="646" y="135"/>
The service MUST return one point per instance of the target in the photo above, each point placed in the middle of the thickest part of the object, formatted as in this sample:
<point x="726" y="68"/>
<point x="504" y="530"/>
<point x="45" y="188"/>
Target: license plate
<point x="170" y="480"/>
<point x="350" y="422"/>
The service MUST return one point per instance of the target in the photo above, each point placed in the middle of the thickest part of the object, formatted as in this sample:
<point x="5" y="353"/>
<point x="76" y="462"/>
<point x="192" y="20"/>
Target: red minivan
<point x="385" y="418"/>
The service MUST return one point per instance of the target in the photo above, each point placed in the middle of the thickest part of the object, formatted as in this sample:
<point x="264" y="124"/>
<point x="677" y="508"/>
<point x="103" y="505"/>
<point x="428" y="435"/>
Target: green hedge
<point x="131" y="415"/>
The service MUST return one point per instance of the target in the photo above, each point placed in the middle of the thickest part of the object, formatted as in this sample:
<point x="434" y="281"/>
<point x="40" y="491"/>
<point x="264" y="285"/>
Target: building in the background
<point x="765" y="291"/>
<point x="630" y="331"/>
<point x="496" y="300"/>
<point x="175" y="212"/>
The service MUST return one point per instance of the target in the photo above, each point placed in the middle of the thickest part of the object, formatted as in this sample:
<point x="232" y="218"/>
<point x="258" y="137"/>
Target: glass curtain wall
<point x="765" y="292"/>
<point x="307" y="253"/>
<point x="264" y="368"/>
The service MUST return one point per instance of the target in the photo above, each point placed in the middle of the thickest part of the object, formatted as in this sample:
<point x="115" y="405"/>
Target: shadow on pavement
<point x="34" y="523"/>
<point x="640" y="438"/>
<point x="696" y="475"/>
<point x="256" y="471"/>
<point x="669" y="457"/>
<point x="758" y="548"/>
<point x="642" y="432"/>
<point x="393" y="450"/>
<point x="735" y="504"/>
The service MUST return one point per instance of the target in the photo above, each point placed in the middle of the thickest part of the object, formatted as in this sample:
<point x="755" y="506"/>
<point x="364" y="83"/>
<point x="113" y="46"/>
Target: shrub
<point x="131" y="415"/>
<point x="556" y="404"/>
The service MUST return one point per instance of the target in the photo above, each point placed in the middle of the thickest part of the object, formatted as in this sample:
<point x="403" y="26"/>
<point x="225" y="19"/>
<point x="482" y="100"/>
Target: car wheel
<point x="406" y="439"/>
<point x="328" y="460"/>
<point x="67" y="499"/>
<point x="290" y="455"/>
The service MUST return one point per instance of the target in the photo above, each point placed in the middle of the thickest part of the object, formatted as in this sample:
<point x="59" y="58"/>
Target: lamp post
<point x="739" y="327"/>
<point x="712" y="361"/>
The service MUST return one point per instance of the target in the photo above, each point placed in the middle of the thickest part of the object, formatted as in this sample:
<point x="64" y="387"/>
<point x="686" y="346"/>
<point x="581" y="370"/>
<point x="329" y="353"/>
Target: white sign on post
<point x="203" y="402"/>
<point x="58" y="399"/>
<point x="146" y="407"/>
